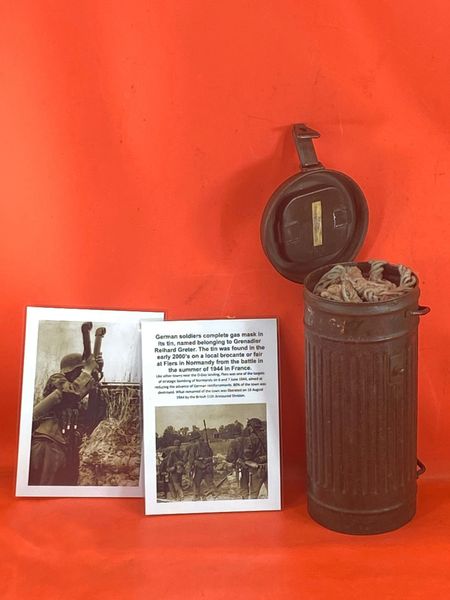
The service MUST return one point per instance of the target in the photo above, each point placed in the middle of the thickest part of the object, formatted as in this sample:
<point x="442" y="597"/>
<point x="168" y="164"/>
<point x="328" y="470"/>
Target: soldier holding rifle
<point x="175" y="468"/>
<point x="235" y="455"/>
<point x="200" y="464"/>
<point x="253" y="463"/>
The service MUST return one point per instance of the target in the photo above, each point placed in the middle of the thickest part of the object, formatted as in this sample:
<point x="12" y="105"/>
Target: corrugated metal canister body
<point x="361" y="358"/>
<point x="361" y="409"/>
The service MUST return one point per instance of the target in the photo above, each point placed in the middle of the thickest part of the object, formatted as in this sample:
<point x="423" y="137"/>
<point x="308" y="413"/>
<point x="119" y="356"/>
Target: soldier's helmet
<point x="255" y="423"/>
<point x="195" y="435"/>
<point x="177" y="443"/>
<point x="71" y="362"/>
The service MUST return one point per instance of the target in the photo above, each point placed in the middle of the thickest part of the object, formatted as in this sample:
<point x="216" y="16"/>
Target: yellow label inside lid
<point x="316" y="208"/>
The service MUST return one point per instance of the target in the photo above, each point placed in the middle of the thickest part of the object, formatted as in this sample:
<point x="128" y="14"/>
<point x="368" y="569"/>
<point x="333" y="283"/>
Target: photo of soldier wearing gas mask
<point x="221" y="456"/>
<point x="86" y="413"/>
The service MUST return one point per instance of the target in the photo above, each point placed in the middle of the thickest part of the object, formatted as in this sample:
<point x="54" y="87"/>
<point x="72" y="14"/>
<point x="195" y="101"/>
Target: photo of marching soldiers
<point x="211" y="452"/>
<point x="86" y="414"/>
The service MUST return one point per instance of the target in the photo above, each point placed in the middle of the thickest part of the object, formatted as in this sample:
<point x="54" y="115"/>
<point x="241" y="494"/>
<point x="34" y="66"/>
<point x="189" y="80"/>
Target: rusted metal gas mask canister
<point x="360" y="359"/>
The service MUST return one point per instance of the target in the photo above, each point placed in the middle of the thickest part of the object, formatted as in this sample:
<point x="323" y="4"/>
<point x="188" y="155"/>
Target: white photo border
<point x="269" y="326"/>
<point x="34" y="315"/>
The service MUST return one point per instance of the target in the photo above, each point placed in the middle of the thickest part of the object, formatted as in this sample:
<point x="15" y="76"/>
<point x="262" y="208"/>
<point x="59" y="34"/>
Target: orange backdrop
<point x="140" y="142"/>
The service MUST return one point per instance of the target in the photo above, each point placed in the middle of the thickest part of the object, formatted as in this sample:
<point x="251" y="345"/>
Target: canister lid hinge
<point x="303" y="137"/>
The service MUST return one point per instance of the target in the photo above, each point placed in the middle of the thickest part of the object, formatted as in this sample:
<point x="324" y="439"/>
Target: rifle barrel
<point x="206" y="432"/>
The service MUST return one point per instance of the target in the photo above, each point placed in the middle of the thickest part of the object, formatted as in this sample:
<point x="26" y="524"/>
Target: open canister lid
<point x="315" y="218"/>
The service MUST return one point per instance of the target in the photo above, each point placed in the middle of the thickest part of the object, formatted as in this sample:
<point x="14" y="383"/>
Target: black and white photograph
<point x="81" y="403"/>
<point x="211" y="452"/>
